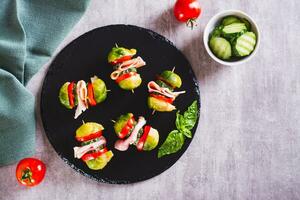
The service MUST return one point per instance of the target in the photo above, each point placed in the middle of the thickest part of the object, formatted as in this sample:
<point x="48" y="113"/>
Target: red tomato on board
<point x="187" y="11"/>
<point x="30" y="171"/>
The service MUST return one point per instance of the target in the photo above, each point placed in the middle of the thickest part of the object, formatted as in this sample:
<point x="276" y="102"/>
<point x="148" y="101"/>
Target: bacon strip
<point x="154" y="87"/>
<point x="136" y="63"/>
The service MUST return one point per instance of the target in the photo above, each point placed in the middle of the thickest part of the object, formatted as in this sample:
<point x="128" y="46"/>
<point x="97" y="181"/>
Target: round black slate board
<point x="87" y="56"/>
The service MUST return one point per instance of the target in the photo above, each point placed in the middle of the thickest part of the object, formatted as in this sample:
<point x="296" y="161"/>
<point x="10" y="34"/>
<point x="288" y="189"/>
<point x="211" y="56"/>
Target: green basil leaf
<point x="189" y="118"/>
<point x="178" y="120"/>
<point x="172" y="144"/>
<point x="187" y="133"/>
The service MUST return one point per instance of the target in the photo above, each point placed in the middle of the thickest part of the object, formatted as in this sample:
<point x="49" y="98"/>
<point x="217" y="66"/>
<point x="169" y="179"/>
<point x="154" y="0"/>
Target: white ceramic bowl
<point x="215" y="20"/>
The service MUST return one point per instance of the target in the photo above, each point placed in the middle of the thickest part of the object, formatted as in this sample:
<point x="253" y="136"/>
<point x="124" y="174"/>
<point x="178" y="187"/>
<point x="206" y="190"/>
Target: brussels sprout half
<point x="160" y="105"/>
<point x="171" y="78"/>
<point x="131" y="83"/>
<point x="119" y="52"/>
<point x="88" y="128"/>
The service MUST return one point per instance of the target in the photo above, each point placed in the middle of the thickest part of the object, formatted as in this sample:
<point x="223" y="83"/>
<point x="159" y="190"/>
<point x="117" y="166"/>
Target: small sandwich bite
<point x="162" y="93"/>
<point x="132" y="132"/>
<point x="93" y="149"/>
<point x="82" y="94"/>
<point x="125" y="67"/>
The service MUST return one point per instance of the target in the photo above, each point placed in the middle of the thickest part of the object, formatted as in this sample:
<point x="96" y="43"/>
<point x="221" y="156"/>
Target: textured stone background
<point x="248" y="141"/>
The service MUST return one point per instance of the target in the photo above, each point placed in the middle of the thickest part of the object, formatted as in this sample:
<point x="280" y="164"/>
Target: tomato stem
<point x="191" y="23"/>
<point x="27" y="175"/>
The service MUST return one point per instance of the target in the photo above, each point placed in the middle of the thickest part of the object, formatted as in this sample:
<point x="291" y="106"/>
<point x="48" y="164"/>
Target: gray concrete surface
<point x="248" y="141"/>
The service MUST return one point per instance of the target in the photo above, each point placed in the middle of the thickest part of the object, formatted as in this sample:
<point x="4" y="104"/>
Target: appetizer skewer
<point x="92" y="150"/>
<point x="82" y="94"/>
<point x="162" y="93"/>
<point x="125" y="67"/>
<point x="132" y="132"/>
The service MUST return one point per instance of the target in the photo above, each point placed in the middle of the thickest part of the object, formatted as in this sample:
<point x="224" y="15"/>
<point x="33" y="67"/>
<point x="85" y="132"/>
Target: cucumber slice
<point x="247" y="23"/>
<point x="244" y="44"/>
<point x="230" y="20"/>
<point x="233" y="30"/>
<point x="220" y="47"/>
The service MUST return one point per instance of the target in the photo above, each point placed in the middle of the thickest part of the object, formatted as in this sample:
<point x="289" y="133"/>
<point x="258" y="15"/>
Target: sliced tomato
<point x="120" y="60"/>
<point x="125" y="130"/>
<point x="161" y="97"/>
<point x="125" y="76"/>
<point x="70" y="94"/>
<point x="93" y="155"/>
<point x="143" y="138"/>
<point x="89" y="137"/>
<point x="91" y="95"/>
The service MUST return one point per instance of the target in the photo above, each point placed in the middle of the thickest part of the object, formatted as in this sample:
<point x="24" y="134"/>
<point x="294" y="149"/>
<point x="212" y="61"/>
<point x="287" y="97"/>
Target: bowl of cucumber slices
<point x="231" y="37"/>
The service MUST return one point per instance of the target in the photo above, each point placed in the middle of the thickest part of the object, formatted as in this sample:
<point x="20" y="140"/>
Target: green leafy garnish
<point x="172" y="144"/>
<point x="217" y="31"/>
<point x="184" y="124"/>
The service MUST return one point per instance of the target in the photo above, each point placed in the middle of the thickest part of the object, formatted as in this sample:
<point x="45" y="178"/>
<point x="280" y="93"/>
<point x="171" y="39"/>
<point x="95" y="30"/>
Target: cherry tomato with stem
<point x="30" y="171"/>
<point x="187" y="11"/>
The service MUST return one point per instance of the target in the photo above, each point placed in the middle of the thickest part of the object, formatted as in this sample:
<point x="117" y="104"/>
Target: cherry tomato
<point x="30" y="171"/>
<point x="187" y="11"/>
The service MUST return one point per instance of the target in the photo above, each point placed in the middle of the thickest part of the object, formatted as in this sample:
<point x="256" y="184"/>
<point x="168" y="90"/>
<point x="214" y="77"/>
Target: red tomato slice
<point x="89" y="137"/>
<point x="143" y="138"/>
<point x="30" y="171"/>
<point x="91" y="95"/>
<point x="125" y="76"/>
<point x="125" y="130"/>
<point x="120" y="60"/>
<point x="70" y="94"/>
<point x="94" y="155"/>
<point x="161" y="97"/>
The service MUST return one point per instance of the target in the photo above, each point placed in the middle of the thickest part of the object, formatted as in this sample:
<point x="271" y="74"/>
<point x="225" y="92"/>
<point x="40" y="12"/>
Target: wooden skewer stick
<point x="132" y="91"/>
<point x="173" y="69"/>
<point x="153" y="112"/>
<point x="83" y="122"/>
<point x="113" y="121"/>
<point x="108" y="90"/>
<point x="116" y="45"/>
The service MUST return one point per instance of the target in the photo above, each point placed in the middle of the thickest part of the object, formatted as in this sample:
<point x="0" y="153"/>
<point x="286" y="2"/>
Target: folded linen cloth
<point x="30" y="31"/>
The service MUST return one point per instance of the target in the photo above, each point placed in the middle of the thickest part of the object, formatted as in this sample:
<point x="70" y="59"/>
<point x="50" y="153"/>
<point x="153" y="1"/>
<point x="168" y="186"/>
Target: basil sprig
<point x="184" y="124"/>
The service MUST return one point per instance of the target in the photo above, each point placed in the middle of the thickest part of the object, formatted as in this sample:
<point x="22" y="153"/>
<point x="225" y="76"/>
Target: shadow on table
<point x="165" y="23"/>
<point x="203" y="66"/>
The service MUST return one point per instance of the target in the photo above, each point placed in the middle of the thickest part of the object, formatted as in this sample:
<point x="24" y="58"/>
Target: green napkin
<point x="30" y="31"/>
